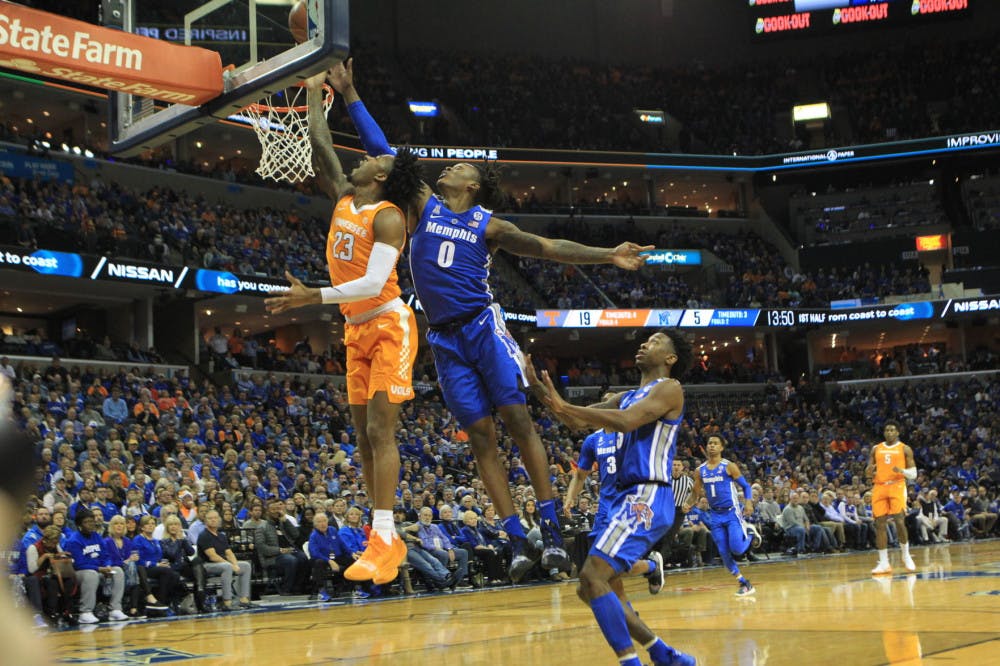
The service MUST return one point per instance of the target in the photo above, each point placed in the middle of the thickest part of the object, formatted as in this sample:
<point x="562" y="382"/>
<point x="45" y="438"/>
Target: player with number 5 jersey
<point x="480" y="366"/>
<point x="366" y="236"/>
<point x="890" y="466"/>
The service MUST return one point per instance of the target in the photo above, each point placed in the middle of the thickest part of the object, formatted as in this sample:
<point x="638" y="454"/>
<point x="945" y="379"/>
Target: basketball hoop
<point x="283" y="132"/>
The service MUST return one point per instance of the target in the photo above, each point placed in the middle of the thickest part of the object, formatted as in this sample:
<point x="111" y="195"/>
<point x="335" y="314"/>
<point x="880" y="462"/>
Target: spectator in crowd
<point x="326" y="554"/>
<point x="92" y="564"/>
<point x="219" y="560"/>
<point x="46" y="561"/>
<point x="932" y="522"/>
<point x="434" y="540"/>
<point x="275" y="545"/>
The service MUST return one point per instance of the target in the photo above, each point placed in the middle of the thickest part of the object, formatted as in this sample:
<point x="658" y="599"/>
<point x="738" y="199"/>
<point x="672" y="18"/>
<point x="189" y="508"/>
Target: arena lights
<point x="425" y="109"/>
<point x="804" y="112"/>
<point x="650" y="116"/>
<point x="932" y="243"/>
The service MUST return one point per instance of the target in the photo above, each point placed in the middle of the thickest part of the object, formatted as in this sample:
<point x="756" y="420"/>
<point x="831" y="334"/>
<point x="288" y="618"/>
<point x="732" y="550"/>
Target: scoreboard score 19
<point x="792" y="17"/>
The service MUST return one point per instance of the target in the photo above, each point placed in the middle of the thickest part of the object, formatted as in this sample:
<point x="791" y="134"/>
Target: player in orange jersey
<point x="366" y="236"/>
<point x="890" y="465"/>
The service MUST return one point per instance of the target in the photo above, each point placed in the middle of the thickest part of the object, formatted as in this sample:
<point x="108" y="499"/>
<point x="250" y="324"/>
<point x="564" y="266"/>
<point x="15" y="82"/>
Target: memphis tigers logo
<point x="640" y="511"/>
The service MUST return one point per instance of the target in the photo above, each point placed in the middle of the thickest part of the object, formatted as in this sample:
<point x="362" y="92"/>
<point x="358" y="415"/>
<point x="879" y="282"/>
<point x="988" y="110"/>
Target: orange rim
<point x="261" y="108"/>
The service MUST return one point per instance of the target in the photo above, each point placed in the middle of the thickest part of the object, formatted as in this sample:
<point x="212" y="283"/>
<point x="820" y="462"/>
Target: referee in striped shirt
<point x="682" y="485"/>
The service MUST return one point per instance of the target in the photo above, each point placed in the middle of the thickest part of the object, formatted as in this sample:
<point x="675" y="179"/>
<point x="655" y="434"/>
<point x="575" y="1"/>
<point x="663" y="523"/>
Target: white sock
<point x="382" y="524"/>
<point x="883" y="556"/>
<point x="905" y="547"/>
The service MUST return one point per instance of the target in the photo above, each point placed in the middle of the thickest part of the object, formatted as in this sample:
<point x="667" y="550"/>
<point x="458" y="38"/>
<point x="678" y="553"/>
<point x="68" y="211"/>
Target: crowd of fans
<point x="758" y="276"/>
<point x="175" y="227"/>
<point x="846" y="215"/>
<point x="269" y="463"/>
<point x="589" y="105"/>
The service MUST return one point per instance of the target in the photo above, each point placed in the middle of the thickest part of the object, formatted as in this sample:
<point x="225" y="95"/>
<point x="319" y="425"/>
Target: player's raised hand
<point x="534" y="383"/>
<point x="552" y="398"/>
<point x="296" y="297"/>
<point x="341" y="75"/>
<point x="627" y="256"/>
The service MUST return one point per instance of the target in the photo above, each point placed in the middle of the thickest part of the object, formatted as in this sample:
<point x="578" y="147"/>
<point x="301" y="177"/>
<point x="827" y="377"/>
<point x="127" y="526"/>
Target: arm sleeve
<point x="380" y="265"/>
<point x="372" y="136"/>
<point x="910" y="473"/>
<point x="741" y="481"/>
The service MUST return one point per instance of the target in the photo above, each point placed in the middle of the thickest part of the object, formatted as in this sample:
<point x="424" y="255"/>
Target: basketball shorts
<point x="380" y="356"/>
<point x="479" y="366"/>
<point x="729" y="531"/>
<point x="888" y="499"/>
<point x="637" y="519"/>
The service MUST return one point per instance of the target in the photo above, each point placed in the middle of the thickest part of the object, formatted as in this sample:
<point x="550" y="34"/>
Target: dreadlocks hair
<point x="490" y="194"/>
<point x="683" y="349"/>
<point x="405" y="179"/>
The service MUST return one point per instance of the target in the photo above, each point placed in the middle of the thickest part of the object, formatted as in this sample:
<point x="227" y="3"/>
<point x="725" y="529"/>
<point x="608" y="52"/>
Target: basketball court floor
<point x="826" y="610"/>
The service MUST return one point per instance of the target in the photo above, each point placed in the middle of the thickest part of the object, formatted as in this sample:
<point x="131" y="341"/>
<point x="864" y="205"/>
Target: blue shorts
<point x="729" y="531"/>
<point x="479" y="366"/>
<point x="638" y="518"/>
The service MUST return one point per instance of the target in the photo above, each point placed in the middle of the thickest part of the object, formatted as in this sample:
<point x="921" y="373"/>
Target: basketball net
<point x="283" y="132"/>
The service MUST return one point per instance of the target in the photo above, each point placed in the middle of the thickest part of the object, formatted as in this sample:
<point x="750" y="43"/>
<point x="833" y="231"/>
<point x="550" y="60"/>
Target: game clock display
<point x="791" y="17"/>
<point x="778" y="318"/>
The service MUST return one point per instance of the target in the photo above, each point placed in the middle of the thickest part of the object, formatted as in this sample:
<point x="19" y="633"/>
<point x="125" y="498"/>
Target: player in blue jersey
<point x="479" y="364"/>
<point x="716" y="479"/>
<point x="642" y="510"/>
<point x="601" y="449"/>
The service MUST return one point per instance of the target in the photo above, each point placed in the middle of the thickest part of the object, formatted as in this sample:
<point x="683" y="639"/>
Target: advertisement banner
<point x="46" y="262"/>
<point x="18" y="165"/>
<point x="672" y="257"/>
<point x="46" y="44"/>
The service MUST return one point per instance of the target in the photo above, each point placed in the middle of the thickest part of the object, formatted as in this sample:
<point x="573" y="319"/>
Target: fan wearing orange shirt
<point x="890" y="466"/>
<point x="366" y="236"/>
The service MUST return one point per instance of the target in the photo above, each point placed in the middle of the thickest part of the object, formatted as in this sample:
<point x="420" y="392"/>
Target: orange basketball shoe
<point x="377" y="559"/>
<point x="390" y="569"/>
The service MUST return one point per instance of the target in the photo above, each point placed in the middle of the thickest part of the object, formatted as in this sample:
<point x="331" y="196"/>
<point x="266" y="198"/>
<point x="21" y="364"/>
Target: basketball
<point x="298" y="22"/>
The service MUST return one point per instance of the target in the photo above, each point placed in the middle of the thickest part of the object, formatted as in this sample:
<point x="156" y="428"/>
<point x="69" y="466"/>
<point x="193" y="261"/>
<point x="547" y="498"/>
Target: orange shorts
<point x="380" y="356"/>
<point x="888" y="499"/>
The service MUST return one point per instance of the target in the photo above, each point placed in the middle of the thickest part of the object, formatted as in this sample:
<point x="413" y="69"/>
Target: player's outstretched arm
<point x="405" y="186"/>
<point x="539" y="390"/>
<point x="326" y="165"/>
<point x="341" y="77"/>
<point x="664" y="399"/>
<point x="506" y="236"/>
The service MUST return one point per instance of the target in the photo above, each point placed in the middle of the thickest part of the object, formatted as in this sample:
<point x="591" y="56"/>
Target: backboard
<point x="254" y="43"/>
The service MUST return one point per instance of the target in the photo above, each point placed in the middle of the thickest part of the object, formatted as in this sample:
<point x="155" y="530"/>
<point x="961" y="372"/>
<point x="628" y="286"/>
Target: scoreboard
<point x="773" y="318"/>
<point x="791" y="17"/>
